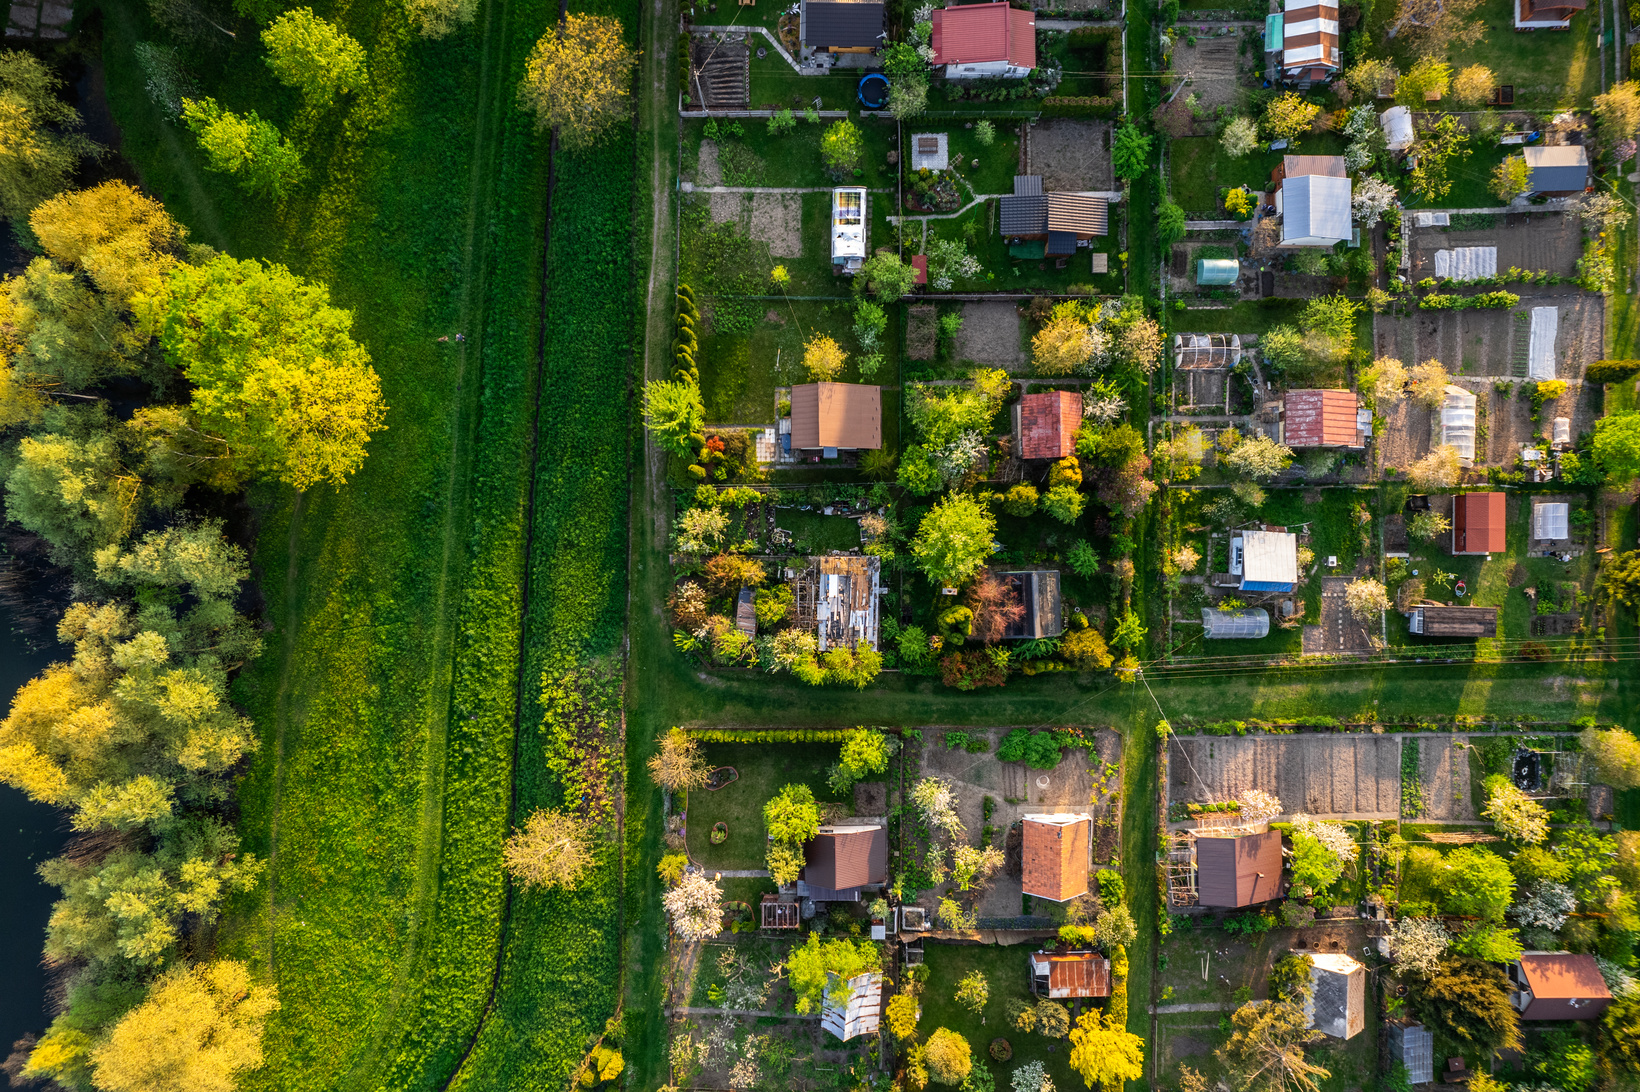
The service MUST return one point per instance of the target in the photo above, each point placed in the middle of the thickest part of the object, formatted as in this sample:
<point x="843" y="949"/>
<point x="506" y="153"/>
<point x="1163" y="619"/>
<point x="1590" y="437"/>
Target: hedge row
<point x="790" y="735"/>
<point x="1078" y="106"/>
<point x="1612" y="371"/>
<point x="1435" y="301"/>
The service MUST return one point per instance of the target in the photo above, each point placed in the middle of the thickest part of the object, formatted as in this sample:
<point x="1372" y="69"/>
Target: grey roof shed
<point x="842" y="24"/>
<point x="1413" y="1045"/>
<point x="1561" y="169"/>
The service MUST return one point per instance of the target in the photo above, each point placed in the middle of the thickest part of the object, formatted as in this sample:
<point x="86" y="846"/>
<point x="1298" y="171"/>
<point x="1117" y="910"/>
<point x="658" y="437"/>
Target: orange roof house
<point x="1046" y="424"/>
<point x="840" y="860"/>
<point x="1558" y="986"/>
<point x="1056" y="856"/>
<point x="838" y="415"/>
<point x="1069" y="974"/>
<point x="1239" y="871"/>
<point x="1322" y="419"/>
<point x="1478" y="523"/>
<point x="974" y="40"/>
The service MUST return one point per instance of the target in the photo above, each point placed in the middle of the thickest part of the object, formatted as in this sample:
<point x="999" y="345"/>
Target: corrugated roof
<point x="846" y="415"/>
<point x="746" y="612"/>
<point x="1073" y="974"/>
<point x="1326" y="166"/>
<point x="1472" y="622"/>
<point x="861" y="1013"/>
<point x="1269" y="557"/>
<point x="844" y="857"/>
<point x="1027" y="185"/>
<point x="1056" y="856"/>
<point x="1309" y="34"/>
<point x="1023" y="215"/>
<point x="1315" y="208"/>
<point x="1080" y="214"/>
<point x="1048" y="423"/>
<point x="842" y="24"/>
<point x="1240" y="871"/>
<point x="979" y="33"/>
<point x="1321" y="418"/>
<point x="1478" y="523"/>
<point x="1247" y="622"/>
<point x="1563" y="976"/>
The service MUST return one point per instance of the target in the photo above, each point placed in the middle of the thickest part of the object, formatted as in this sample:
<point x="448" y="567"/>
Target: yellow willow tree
<point x="578" y="78"/>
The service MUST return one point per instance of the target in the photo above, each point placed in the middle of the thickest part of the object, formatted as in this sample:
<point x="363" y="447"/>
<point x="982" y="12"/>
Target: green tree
<point x="278" y="381"/>
<point x="1332" y="317"/>
<point x="817" y="966"/>
<point x="841" y="146"/>
<point x="314" y="56"/>
<point x="1169" y="223"/>
<point x="1468" y="1001"/>
<point x="791" y="815"/>
<point x="40" y="142"/>
<point x="64" y="334"/>
<point x="890" y="278"/>
<point x="243" y="145"/>
<point x="1620" y="1038"/>
<point x="195" y="557"/>
<point x="75" y="493"/>
<point x="1130" y="151"/>
<point x="1104" y="1052"/>
<point x="1511" y="178"/>
<point x="1064" y="503"/>
<point x="954" y="540"/>
<point x="578" y="79"/>
<point x="1614" y="751"/>
<point x="1265" y="1051"/>
<point x="1261" y="457"/>
<point x="1240" y="137"/>
<point x="865" y="752"/>
<point x="948" y="1056"/>
<point x="1447" y="139"/>
<point x="1130" y="632"/>
<point x="1617" y="112"/>
<point x="973" y="991"/>
<point x="1289" y="116"/>
<point x="1617" y="446"/>
<point x="674" y="413"/>
<point x="1428" y="74"/>
<point x="1489" y="943"/>
<point x="1475" y="882"/>
<point x="200" y="1027"/>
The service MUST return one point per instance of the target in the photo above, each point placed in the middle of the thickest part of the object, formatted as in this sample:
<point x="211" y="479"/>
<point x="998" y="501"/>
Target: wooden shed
<point x="1238" y="871"/>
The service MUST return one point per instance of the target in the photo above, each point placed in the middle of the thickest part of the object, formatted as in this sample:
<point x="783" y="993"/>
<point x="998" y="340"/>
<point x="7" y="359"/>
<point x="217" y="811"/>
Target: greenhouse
<point x="1458" y="421"/>
<point x="1247" y="622"/>
<point x="1217" y="271"/>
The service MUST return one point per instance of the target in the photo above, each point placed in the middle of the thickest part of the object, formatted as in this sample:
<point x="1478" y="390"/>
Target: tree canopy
<point x="578" y="78"/>
<point x="1617" y="445"/>
<point x="40" y="141"/>
<point x="1104" y="1052"/>
<point x="243" y="145"/>
<point x="550" y="850"/>
<point x="811" y="968"/>
<point x="1469" y="1001"/>
<point x="314" y="56"/>
<point x="1265" y="1051"/>
<point x="674" y="412"/>
<point x="954" y="540"/>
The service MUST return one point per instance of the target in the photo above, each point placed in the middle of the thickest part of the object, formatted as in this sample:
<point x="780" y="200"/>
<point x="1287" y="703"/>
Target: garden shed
<point x="1397" y="125"/>
<point x="837" y="417"/>
<point x="1248" y="622"/>
<point x="1324" y="418"/>
<point x="1413" y="1045"/>
<point x="1055" y="856"/>
<point x="1313" y="199"/>
<point x="1551" y="520"/>
<point x="1046" y="424"/>
<point x="1337" y="1005"/>
<point x="1458" y="422"/>
<point x="1561" y="170"/>
<point x="1044" y="615"/>
<point x="1266" y="561"/>
<point x="1435" y="620"/>
<point x="1060" y="975"/>
<point x="1558" y="986"/>
<point x="856" y="1011"/>
<point x="1238" y="871"/>
<point x="1060" y="220"/>
<point x="1212" y="271"/>
<point x="841" y="26"/>
<point x="1478" y="523"/>
<point x="840" y="860"/>
<point x="1546" y="14"/>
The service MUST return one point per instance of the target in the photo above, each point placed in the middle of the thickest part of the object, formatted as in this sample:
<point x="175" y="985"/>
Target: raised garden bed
<point x="719" y="777"/>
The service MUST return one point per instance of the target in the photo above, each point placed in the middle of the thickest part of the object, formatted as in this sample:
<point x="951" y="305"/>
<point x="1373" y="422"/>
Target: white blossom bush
<point x="696" y="907"/>
<point x="1516" y="815"/>
<point x="1546" y="908"/>
<point x="1618" y="980"/>
<point x="1417" y="943"/>
<point x="937" y="802"/>
<point x="949" y="260"/>
<point x="1362" y="122"/>
<point x="1032" y="1077"/>
<point x="954" y="459"/>
<point x="1335" y="837"/>
<point x="1258" y="806"/>
<point x="1370" y="199"/>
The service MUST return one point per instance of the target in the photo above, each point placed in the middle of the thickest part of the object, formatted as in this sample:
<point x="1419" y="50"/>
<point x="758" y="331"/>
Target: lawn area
<point x="1245" y="317"/>
<point x="763" y="769"/>
<point x="740" y="371"/>
<point x="1550" y="70"/>
<point x="794" y="159"/>
<point x="1622" y="303"/>
<point x="817" y="533"/>
<point x="776" y="86"/>
<point x="1198" y="168"/>
<point x="1005" y="969"/>
<point x="977" y="228"/>
<point x="1471" y="179"/>
<point x="998" y="163"/>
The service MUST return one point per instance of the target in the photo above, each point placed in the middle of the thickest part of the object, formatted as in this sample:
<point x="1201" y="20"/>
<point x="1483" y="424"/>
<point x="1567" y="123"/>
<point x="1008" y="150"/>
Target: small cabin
<point x="1478" y="523"/>
<point x="1056" y="856"/>
<point x="1337" y="1005"/>
<point x="1467" y="623"/>
<point x="1324" y="418"/>
<point x="841" y="860"/>
<point x="1059" y="975"/>
<point x="1266" y="561"/>
<point x="1243" y="870"/>
<point x="1558" y="986"/>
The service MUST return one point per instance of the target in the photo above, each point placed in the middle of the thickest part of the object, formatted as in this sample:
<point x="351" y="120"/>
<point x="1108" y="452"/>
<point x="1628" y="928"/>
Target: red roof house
<point x="1558" y="986"/>
<point x="1322" y="419"/>
<point x="1478" y="523"/>
<point x="1046" y="424"/>
<point x="976" y="40"/>
<point x="1055" y="856"/>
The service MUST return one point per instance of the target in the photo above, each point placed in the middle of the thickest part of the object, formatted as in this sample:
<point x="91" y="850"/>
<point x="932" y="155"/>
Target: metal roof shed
<point x="1560" y="169"/>
<point x="1315" y="210"/>
<point x="1246" y="623"/>
<point x="1272" y="33"/>
<point x="842" y="24"/>
<point x="1550" y="520"/>
<point x="1269" y="561"/>
<point x="854" y="1010"/>
<point x="1217" y="271"/>
<point x="1338" y="995"/>
<point x="1240" y="871"/>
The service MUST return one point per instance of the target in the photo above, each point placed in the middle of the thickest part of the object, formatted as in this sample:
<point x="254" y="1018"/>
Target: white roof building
<point x="860" y="1013"/>
<point x="1314" y="201"/>
<point x="1337" y="1005"/>
<point x="1458" y="421"/>
<point x="1550" y="520"/>
<point x="1397" y="126"/>
<point x="848" y="227"/>
<point x="1265" y="560"/>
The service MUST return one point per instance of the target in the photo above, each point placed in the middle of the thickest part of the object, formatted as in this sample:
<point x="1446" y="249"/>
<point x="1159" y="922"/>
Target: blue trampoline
<point x="873" y="91"/>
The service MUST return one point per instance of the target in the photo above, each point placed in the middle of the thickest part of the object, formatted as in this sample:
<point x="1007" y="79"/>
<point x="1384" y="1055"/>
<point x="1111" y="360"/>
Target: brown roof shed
<point x="839" y="858"/>
<point x="1079" y="214"/>
<point x="1321" y="419"/>
<point x="1444" y="621"/>
<point x="1070" y="974"/>
<point x="1048" y="423"/>
<point x="846" y="415"/>
<point x="1562" y="985"/>
<point x="1238" y="871"/>
<point x="1478" y="523"/>
<point x="1056" y="856"/>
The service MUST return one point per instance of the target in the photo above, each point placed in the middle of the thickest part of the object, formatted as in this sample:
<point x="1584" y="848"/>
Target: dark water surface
<point x="29" y="833"/>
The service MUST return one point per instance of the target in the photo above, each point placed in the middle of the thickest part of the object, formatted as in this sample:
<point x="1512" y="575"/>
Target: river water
<point x="29" y="833"/>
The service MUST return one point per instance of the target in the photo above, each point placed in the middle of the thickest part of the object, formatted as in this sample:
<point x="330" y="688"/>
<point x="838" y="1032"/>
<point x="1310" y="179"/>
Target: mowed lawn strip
<point x="764" y="768"/>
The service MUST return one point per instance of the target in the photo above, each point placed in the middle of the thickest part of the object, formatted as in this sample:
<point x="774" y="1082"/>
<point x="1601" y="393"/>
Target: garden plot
<point x="777" y="219"/>
<point x="1213" y="67"/>
<point x="1340" y="632"/>
<point x="1330" y="777"/>
<point x="1552" y="241"/>
<point x="1442" y="777"/>
<point x="1407" y="437"/>
<point x="1071" y="155"/>
<point x="990" y="335"/>
<point x="1494" y="343"/>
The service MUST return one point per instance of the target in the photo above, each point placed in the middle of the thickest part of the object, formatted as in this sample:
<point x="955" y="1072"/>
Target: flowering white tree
<point x="1366" y="598"/>
<point x="948" y="262"/>
<point x="1417" y="943"/>
<point x="1032" y="1077"/>
<point x="1334" y="837"/>
<point x="1103" y="403"/>
<point x="1546" y="908"/>
<point x="1258" y="806"/>
<point x="1370" y="199"/>
<point x="954" y="459"/>
<point x="1240" y="137"/>
<point x="937" y="802"/>
<point x="696" y="907"/>
<point x="1516" y="815"/>
<point x="700" y="530"/>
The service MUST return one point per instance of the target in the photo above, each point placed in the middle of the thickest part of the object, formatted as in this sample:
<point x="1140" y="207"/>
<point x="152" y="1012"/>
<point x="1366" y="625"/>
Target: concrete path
<point x="1199" y="1006"/>
<point x="752" y="29"/>
<point x="1216" y="225"/>
<point x="740" y="873"/>
<point x="1077" y="24"/>
<point x="693" y="1011"/>
<point x="690" y="187"/>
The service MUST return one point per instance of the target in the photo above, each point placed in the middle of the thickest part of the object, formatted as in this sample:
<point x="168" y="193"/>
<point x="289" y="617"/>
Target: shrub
<point x="947" y="1056"/>
<point x="1612" y="371"/>
<point x="1021" y="1016"/>
<point x="1053" y="1019"/>
<point x="1000" y="1048"/>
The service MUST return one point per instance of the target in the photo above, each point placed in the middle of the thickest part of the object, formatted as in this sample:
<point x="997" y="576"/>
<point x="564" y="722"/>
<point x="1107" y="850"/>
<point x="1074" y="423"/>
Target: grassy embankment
<point x="386" y="701"/>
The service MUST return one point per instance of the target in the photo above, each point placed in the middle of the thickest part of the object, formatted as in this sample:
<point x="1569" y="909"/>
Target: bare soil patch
<point x="707" y="170"/>
<point x="990" y="335"/>
<point x="1351" y="777"/>
<point x="922" y="331"/>
<point x="1493" y="343"/>
<point x="1071" y="155"/>
<point x="777" y="219"/>
<point x="1214" y="67"/>
<point x="1551" y="241"/>
<point x="728" y="207"/>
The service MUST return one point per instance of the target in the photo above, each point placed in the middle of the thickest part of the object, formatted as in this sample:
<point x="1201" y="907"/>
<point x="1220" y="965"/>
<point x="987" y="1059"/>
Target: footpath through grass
<point x="385" y="701"/>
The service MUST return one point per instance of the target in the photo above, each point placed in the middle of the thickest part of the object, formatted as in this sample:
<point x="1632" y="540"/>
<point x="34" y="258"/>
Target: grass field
<point x="763" y="770"/>
<point x="1198" y="168"/>
<point x="1471" y="179"/>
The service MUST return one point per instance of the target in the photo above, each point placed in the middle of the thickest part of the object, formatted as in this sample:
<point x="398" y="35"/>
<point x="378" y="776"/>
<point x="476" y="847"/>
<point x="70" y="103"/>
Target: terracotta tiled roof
<point x="843" y="857"/>
<point x="1056" y="858"/>
<point x="1563" y="976"/>
<point x="1048" y="424"/>
<point x="1478" y="523"/>
<point x="1327" y="166"/>
<point x="837" y="415"/>
<point x="1321" y="419"/>
<point x="980" y="33"/>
